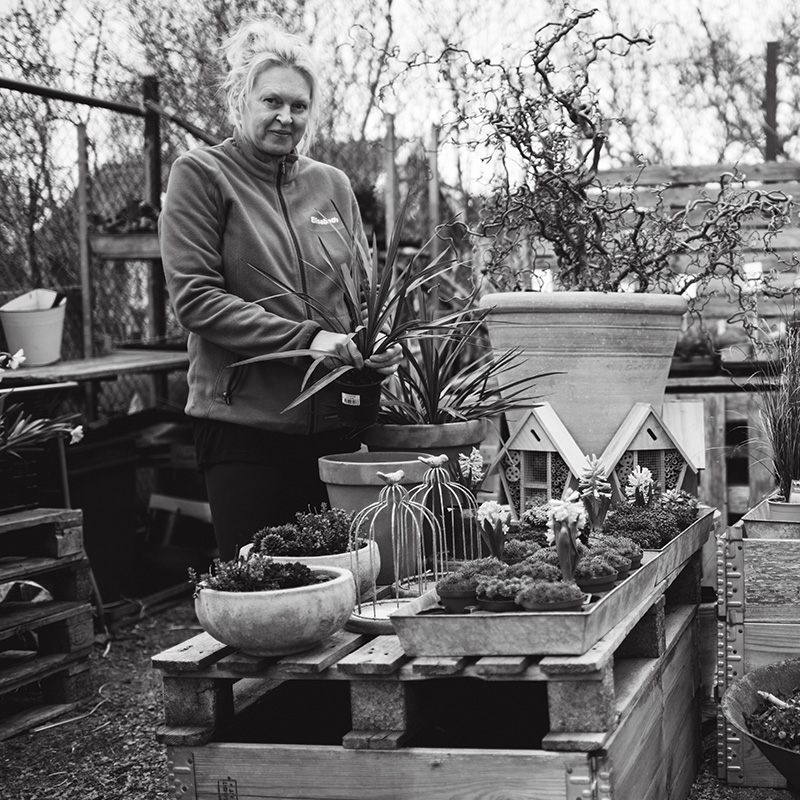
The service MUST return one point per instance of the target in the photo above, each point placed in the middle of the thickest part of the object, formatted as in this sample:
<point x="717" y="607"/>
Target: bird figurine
<point x="391" y="478"/>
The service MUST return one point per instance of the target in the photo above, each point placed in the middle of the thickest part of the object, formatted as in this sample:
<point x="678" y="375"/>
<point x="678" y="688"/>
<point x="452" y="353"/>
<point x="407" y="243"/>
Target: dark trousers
<point x="245" y="497"/>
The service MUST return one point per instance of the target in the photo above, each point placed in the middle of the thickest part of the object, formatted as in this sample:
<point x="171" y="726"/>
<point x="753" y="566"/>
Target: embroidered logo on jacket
<point x="320" y="220"/>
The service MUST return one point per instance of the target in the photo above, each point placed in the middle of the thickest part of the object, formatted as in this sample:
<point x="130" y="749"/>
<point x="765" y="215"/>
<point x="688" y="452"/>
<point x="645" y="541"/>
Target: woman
<point x="254" y="200"/>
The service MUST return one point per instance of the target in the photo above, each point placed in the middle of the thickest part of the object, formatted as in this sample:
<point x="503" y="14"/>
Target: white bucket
<point x="32" y="325"/>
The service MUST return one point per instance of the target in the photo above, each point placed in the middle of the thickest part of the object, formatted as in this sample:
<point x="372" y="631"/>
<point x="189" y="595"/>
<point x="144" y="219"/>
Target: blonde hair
<point x="259" y="44"/>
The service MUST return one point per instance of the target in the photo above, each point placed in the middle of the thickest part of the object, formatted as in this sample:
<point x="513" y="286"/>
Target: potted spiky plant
<point x="374" y="292"/>
<point x="449" y="388"/>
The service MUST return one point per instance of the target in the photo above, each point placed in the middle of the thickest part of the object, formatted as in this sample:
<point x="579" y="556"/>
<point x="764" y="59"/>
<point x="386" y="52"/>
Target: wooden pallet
<point x="44" y="646"/>
<point x="758" y="623"/>
<point x="359" y="718"/>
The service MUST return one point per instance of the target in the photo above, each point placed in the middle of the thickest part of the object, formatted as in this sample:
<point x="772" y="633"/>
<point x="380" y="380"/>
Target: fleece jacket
<point x="233" y="219"/>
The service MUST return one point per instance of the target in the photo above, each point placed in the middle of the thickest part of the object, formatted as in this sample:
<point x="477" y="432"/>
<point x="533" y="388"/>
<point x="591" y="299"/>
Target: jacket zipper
<point x="298" y="255"/>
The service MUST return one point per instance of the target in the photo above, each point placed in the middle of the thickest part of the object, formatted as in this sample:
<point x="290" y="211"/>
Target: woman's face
<point x="276" y="112"/>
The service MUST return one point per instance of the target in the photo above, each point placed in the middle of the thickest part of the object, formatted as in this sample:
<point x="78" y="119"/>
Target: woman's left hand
<point x="386" y="362"/>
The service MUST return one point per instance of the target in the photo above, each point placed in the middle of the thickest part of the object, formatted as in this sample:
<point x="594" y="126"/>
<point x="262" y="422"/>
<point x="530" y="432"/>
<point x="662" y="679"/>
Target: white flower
<point x="471" y="466"/>
<point x="17" y="359"/>
<point x="76" y="434"/>
<point x="492" y="512"/>
<point x="570" y="510"/>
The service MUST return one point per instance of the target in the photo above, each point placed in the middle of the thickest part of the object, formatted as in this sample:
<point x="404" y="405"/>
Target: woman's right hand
<point x="340" y="349"/>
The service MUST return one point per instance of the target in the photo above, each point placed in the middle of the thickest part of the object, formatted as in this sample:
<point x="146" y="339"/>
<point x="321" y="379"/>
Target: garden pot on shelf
<point x="613" y="351"/>
<point x="456" y="601"/>
<point x="602" y="583"/>
<point x="448" y="439"/>
<point x="357" y="404"/>
<point x="759" y="522"/>
<point x="365" y="563"/>
<point x="498" y="606"/>
<point x="353" y="484"/>
<point x="741" y="699"/>
<point x="556" y="605"/>
<point x="781" y="511"/>
<point x="279" y="622"/>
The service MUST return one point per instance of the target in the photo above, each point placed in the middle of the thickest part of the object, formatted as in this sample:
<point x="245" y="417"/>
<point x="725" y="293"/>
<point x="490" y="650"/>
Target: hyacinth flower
<point x="565" y="518"/>
<point x="493" y="522"/>
<point x="640" y="490"/>
<point x="595" y="491"/>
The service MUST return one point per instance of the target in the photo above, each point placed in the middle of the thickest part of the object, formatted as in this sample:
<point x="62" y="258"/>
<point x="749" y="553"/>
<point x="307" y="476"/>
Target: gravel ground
<point x="111" y="754"/>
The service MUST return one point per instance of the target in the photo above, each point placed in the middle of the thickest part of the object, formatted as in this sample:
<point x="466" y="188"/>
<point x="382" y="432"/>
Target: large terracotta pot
<point x="614" y="350"/>
<point x="448" y="439"/>
<point x="353" y="484"/>
<point x="279" y="622"/>
<point x="365" y="564"/>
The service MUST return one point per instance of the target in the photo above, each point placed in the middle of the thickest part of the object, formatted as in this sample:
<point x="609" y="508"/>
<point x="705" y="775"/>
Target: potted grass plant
<point x="375" y="294"/>
<point x="777" y="386"/>
<point x="448" y="388"/>
<point x="269" y="608"/>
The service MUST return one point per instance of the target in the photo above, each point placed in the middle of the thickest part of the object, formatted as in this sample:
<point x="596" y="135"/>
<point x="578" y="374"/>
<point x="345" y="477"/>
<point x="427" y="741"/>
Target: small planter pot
<point x="780" y="511"/>
<point x="456" y="601"/>
<point x="357" y="404"/>
<point x="636" y="563"/>
<point x="279" y="622"/>
<point x="365" y="563"/>
<point x="602" y="583"/>
<point x="498" y="606"/>
<point x="556" y="605"/>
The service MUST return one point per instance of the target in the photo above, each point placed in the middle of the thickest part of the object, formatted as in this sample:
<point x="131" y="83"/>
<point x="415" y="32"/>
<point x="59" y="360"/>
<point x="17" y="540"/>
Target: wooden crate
<point x="44" y="646"/>
<point x="758" y="623"/>
<point x="359" y="718"/>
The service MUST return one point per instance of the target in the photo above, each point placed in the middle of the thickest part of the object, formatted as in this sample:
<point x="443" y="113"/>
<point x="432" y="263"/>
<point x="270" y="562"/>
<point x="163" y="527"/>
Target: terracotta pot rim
<point x="612" y="302"/>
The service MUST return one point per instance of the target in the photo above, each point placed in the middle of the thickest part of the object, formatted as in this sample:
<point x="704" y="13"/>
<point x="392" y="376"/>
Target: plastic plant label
<point x="351" y="399"/>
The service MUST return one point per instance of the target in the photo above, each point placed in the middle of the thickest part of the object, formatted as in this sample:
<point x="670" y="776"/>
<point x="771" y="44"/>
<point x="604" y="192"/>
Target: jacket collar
<point x="263" y="165"/>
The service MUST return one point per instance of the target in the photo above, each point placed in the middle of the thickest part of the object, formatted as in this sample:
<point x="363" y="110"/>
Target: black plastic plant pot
<point x="742" y="698"/>
<point x="357" y="404"/>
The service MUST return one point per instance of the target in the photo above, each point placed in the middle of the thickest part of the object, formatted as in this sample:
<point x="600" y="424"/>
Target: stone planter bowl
<point x="279" y="622"/>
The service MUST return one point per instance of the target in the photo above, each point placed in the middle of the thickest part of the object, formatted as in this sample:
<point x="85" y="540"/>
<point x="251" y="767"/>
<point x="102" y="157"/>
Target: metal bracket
<point x="590" y="780"/>
<point x="730" y="575"/>
<point x="730" y="647"/>
<point x="180" y="764"/>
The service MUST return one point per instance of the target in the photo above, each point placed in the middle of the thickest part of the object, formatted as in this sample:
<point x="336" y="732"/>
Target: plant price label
<point x="351" y="399"/>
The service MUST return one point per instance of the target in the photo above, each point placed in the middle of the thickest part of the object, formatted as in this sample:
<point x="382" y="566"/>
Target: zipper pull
<point x="226" y="396"/>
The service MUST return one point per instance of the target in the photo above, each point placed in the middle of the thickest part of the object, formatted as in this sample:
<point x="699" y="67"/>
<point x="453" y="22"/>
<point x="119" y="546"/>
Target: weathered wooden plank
<point x="768" y="642"/>
<point x="320" y="658"/>
<point x="199" y="652"/>
<point x="656" y="174"/>
<point x="60" y="518"/>
<point x="439" y="665"/>
<point x="30" y="718"/>
<point x="382" y="656"/>
<point x="502" y="665"/>
<point x="375" y="740"/>
<point x="268" y="772"/>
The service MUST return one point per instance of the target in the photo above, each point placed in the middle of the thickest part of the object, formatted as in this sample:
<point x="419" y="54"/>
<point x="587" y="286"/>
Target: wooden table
<point x="108" y="367"/>
<point x="105" y="367"/>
